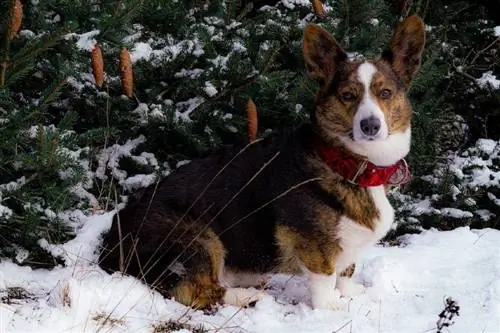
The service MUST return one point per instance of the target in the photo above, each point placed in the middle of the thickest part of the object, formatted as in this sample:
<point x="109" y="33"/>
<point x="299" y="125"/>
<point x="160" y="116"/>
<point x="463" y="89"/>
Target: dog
<point x="307" y="201"/>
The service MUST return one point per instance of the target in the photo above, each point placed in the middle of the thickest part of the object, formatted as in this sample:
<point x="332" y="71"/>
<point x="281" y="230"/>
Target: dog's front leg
<point x="346" y="285"/>
<point x="324" y="295"/>
<point x="318" y="265"/>
<point x="317" y="259"/>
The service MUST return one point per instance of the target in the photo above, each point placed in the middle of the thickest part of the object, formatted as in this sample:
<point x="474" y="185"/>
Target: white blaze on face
<point x="383" y="149"/>
<point x="368" y="107"/>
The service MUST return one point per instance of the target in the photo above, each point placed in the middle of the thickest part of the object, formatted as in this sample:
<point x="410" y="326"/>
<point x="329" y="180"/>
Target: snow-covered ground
<point x="407" y="287"/>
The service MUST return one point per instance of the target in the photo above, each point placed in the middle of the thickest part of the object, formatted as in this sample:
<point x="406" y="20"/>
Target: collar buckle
<point x="362" y="167"/>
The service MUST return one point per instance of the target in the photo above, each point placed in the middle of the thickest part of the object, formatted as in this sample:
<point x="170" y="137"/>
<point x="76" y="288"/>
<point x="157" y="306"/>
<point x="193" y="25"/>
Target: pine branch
<point x="121" y="16"/>
<point x="242" y="84"/>
<point x="33" y="49"/>
<point x="23" y="61"/>
<point x="53" y="90"/>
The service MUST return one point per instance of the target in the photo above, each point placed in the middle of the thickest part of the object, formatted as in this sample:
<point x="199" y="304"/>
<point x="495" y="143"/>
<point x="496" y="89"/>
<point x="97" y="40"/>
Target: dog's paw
<point x="330" y="299"/>
<point x="242" y="297"/>
<point x="349" y="288"/>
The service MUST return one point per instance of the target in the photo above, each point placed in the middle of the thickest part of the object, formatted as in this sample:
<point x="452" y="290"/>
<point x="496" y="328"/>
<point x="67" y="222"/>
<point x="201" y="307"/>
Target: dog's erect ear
<point x="322" y="54"/>
<point x="404" y="52"/>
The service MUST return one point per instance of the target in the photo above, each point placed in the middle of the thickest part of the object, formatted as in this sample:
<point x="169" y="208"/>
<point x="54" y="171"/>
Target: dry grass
<point x="451" y="309"/>
<point x="173" y="326"/>
<point x="14" y="295"/>
<point x="65" y="297"/>
<point x="106" y="320"/>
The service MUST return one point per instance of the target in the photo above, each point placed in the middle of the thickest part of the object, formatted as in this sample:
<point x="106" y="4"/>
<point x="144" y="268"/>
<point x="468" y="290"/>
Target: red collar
<point x="362" y="172"/>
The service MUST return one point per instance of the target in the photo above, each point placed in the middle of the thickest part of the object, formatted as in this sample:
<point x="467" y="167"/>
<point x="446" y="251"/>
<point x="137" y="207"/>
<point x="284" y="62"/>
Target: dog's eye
<point x="385" y="94"/>
<point x="347" y="96"/>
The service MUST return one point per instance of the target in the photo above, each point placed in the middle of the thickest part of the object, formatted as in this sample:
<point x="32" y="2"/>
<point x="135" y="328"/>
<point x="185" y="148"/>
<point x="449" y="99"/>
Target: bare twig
<point x="379" y="314"/>
<point x="446" y="316"/>
<point x="342" y="327"/>
<point x="489" y="46"/>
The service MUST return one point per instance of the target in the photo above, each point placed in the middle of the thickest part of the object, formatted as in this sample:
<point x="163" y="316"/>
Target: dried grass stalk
<point x="65" y="295"/>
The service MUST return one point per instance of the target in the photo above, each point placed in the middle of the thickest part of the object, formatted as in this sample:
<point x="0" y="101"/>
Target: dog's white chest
<point x="385" y="209"/>
<point x="354" y="237"/>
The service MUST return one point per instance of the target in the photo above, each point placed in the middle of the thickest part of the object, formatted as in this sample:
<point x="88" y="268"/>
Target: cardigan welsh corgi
<point x="307" y="201"/>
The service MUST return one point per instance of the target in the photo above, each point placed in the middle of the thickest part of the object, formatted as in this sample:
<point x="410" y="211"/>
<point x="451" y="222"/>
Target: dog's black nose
<point x="370" y="126"/>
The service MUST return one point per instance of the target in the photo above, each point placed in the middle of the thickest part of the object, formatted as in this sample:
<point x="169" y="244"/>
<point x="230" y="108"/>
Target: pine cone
<point x="252" y="120"/>
<point x="318" y="8"/>
<point x="97" y="64"/>
<point x="16" y="19"/>
<point x="454" y="133"/>
<point x="126" y="73"/>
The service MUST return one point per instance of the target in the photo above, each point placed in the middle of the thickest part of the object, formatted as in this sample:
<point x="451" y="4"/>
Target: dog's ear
<point x="404" y="52"/>
<point x="322" y="54"/>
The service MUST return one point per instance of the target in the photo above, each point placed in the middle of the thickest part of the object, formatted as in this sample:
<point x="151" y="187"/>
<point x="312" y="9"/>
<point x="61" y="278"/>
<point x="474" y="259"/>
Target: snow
<point x="13" y="186"/>
<point x="487" y="146"/>
<point x="210" y="89"/>
<point x="406" y="289"/>
<point x="239" y="47"/>
<point x="191" y="73"/>
<point x="494" y="198"/>
<point x="181" y="163"/>
<point x="28" y="34"/>
<point x="184" y="109"/>
<point x="456" y="213"/>
<point x="496" y="31"/>
<point x="290" y="4"/>
<point x="109" y="158"/>
<point x="141" y="51"/>
<point x="475" y="175"/>
<point x="298" y="108"/>
<point x="488" y="80"/>
<point x="5" y="212"/>
<point x="220" y="62"/>
<point x="75" y="83"/>
<point x="484" y="214"/>
<point x="138" y="181"/>
<point x="85" y="41"/>
<point x="145" y="113"/>
<point x="5" y="190"/>
<point x="169" y="52"/>
<point x="483" y="173"/>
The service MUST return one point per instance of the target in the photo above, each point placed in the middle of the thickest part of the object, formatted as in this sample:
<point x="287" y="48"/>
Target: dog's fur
<point x="275" y="206"/>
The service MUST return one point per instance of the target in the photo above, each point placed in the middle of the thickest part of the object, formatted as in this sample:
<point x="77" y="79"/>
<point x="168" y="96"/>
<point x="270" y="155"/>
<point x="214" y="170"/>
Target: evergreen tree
<point x="457" y="100"/>
<point x="43" y="169"/>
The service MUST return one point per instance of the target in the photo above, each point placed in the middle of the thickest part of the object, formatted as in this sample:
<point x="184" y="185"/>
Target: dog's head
<point x="363" y="103"/>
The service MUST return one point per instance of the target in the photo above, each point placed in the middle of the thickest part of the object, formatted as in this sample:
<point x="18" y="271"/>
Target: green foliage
<point x="453" y="110"/>
<point x="462" y="190"/>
